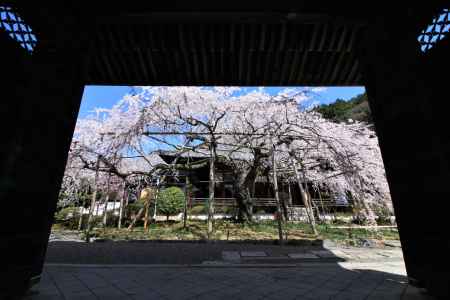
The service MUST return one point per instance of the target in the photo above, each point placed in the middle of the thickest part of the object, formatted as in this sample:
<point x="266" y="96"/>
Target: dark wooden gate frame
<point x="178" y="43"/>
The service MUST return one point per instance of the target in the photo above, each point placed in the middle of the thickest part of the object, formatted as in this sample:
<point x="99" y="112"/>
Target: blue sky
<point x="107" y="96"/>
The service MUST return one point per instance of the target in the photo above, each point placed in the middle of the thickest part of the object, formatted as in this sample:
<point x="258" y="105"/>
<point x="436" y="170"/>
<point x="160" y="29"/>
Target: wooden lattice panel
<point x="436" y="31"/>
<point x="13" y="24"/>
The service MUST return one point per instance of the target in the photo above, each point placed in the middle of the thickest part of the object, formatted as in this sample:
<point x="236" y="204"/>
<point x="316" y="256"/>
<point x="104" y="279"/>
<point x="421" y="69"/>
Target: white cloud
<point x="318" y="89"/>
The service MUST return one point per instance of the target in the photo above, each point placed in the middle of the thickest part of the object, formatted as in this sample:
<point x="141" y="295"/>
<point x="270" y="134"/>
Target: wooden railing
<point x="232" y="201"/>
<point x="217" y="201"/>
<point x="326" y="202"/>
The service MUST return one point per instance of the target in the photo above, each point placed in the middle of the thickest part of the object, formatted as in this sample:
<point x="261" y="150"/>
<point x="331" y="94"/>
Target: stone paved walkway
<point x="143" y="270"/>
<point x="349" y="280"/>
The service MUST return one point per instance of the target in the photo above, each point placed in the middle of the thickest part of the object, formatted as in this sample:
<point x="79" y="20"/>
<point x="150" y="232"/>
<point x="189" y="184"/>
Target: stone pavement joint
<point x="253" y="254"/>
<point x="231" y="255"/>
<point x="302" y="255"/>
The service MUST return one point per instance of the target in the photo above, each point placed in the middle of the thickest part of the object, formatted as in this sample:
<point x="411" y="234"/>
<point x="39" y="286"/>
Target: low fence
<point x="232" y="201"/>
<point x="268" y="202"/>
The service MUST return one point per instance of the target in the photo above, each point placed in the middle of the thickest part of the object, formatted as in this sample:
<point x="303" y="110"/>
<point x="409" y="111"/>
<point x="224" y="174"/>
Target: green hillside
<point x="357" y="108"/>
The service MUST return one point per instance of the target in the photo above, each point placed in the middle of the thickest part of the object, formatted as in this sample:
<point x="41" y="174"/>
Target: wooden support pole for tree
<point x="321" y="202"/>
<point x="212" y="185"/>
<point x="147" y="208"/>
<point x="305" y="198"/>
<point x="93" y="201"/>
<point x="114" y="206"/>
<point x="121" y="208"/>
<point x="290" y="194"/>
<point x="97" y="207"/>
<point x="80" y="219"/>
<point x="105" y="209"/>
<point x="277" y="197"/>
<point x="140" y="212"/>
<point x="284" y="206"/>
<point x="149" y="195"/>
<point x="186" y="199"/>
<point x="137" y="217"/>
<point x="156" y="200"/>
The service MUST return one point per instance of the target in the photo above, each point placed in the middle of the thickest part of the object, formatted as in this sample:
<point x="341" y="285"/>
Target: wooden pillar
<point x="407" y="93"/>
<point x="39" y="107"/>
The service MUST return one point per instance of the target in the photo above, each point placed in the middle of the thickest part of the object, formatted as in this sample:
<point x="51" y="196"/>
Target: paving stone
<point x="72" y="287"/>
<point x="384" y="254"/>
<point x="341" y="254"/>
<point x="327" y="244"/>
<point x="383" y="296"/>
<point x="44" y="297"/>
<point x="148" y="296"/>
<point x="231" y="255"/>
<point x="253" y="253"/>
<point x="302" y="255"/>
<point x="79" y="296"/>
<point x="318" y="280"/>
<point x="351" y="295"/>
<point x="109" y="293"/>
<point x="220" y="295"/>
<point x="321" y="294"/>
<point x="323" y="253"/>
<point x="393" y="243"/>
<point x="285" y="294"/>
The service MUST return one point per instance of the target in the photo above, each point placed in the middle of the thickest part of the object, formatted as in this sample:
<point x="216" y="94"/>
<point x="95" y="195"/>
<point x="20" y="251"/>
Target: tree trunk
<point x="93" y="201"/>
<point x="305" y="198"/>
<point x="243" y="201"/>
<point x="80" y="220"/>
<point x="245" y="182"/>
<point x="364" y="209"/>
<point x="121" y="208"/>
<point x="277" y="197"/>
<point x="212" y="185"/>
<point x="105" y="210"/>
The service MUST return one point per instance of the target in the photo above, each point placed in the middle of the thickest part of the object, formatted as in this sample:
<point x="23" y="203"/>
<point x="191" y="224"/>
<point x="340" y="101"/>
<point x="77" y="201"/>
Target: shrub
<point x="96" y="221"/>
<point x="133" y="208"/>
<point x="383" y="214"/>
<point x="68" y="217"/>
<point x="198" y="210"/>
<point x="170" y="201"/>
<point x="66" y="213"/>
<point x="229" y="210"/>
